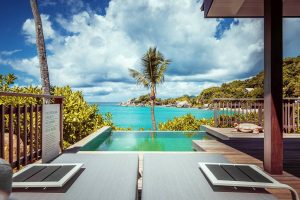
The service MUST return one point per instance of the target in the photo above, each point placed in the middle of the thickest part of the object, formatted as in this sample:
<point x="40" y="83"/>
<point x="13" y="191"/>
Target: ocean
<point x="140" y="117"/>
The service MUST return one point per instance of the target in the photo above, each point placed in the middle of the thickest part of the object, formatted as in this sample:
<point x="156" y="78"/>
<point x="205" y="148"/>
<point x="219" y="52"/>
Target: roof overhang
<point x="245" y="8"/>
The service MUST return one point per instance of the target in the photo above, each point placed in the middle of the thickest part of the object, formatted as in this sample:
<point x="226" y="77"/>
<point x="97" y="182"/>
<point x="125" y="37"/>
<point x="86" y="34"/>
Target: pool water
<point x="145" y="141"/>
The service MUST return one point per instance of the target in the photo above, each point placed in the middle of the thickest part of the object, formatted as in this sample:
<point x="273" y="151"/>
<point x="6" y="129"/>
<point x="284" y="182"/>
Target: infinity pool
<point x="144" y="141"/>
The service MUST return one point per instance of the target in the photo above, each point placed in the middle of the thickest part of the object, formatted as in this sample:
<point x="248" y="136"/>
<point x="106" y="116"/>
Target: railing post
<point x="260" y="114"/>
<point x="216" y="124"/>
<point x="2" y="123"/>
<point x="10" y="137"/>
<point x="60" y="102"/>
<point x="18" y="129"/>
<point x="25" y="135"/>
<point x="31" y="133"/>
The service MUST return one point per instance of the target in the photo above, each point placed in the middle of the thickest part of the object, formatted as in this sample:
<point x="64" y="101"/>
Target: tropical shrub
<point x="80" y="118"/>
<point x="185" y="123"/>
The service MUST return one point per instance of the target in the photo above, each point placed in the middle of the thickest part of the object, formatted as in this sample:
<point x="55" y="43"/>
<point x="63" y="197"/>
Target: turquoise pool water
<point x="145" y="141"/>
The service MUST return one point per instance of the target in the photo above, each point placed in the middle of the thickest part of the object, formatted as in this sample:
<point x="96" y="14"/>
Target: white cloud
<point x="29" y="29"/>
<point x="97" y="51"/>
<point x="291" y="37"/>
<point x="9" y="53"/>
<point x="30" y="66"/>
<point x="48" y="3"/>
<point x="29" y="80"/>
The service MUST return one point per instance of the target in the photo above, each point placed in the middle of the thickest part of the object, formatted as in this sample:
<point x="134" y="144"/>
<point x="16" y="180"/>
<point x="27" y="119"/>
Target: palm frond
<point x="140" y="78"/>
<point x="160" y="75"/>
<point x="154" y="66"/>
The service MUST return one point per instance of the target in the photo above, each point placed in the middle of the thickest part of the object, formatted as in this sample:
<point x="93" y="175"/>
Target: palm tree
<point x="41" y="49"/>
<point x="154" y="66"/>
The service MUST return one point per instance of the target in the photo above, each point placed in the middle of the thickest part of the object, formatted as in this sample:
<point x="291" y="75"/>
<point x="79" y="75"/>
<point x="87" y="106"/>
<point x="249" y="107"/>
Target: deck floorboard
<point x="238" y="157"/>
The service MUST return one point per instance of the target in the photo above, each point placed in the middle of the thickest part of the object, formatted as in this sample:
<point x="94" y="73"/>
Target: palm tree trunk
<point x="41" y="50"/>
<point x="153" y="116"/>
<point x="152" y="99"/>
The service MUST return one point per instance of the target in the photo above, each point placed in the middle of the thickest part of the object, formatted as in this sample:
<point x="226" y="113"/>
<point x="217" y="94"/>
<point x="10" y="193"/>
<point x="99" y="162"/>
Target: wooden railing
<point x="228" y="111"/>
<point x="21" y="128"/>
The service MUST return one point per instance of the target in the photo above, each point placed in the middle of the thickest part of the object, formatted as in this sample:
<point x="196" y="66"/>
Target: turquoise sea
<point x="140" y="117"/>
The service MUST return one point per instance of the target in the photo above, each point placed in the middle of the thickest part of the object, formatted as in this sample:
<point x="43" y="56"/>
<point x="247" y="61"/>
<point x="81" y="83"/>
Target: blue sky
<point x="92" y="43"/>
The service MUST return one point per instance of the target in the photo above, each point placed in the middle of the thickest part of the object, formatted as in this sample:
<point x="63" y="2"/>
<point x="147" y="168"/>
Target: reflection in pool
<point x="144" y="141"/>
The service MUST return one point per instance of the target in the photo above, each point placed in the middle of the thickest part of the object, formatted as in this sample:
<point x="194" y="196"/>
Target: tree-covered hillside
<point x="253" y="87"/>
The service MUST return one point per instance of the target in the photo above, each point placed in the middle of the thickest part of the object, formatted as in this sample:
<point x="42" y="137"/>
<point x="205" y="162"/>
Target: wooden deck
<point x="238" y="157"/>
<point x="253" y="144"/>
<point x="230" y="134"/>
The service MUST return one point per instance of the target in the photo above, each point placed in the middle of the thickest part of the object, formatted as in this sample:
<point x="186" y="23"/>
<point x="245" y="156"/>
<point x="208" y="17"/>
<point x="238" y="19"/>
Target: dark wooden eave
<point x="245" y="8"/>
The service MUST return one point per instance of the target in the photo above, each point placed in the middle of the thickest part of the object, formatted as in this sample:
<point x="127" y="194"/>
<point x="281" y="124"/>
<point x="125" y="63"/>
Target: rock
<point x="6" y="146"/>
<point x="182" y="104"/>
<point x="206" y="105"/>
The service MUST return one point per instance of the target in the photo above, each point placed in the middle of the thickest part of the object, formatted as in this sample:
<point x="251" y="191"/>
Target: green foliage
<point x="6" y="80"/>
<point x="80" y="118"/>
<point x="192" y="100"/>
<point x="145" y="100"/>
<point x="185" y="123"/>
<point x="291" y="77"/>
<point x="22" y="100"/>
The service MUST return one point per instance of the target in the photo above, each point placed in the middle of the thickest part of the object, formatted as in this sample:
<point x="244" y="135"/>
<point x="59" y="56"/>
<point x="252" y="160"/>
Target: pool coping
<point x="158" y="131"/>
<point x="76" y="147"/>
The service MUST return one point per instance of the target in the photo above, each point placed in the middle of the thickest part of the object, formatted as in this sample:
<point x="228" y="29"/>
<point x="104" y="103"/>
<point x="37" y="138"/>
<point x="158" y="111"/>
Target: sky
<point x="91" y="44"/>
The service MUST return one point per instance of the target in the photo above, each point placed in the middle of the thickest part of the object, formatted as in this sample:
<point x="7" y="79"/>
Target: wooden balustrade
<point x="228" y="111"/>
<point x="21" y="129"/>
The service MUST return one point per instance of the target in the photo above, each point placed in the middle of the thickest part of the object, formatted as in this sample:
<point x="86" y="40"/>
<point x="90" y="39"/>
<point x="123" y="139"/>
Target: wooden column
<point x="60" y="102"/>
<point x="273" y="145"/>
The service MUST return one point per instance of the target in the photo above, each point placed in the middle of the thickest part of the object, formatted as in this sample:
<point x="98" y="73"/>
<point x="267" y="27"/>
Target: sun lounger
<point x="242" y="175"/>
<point x="178" y="177"/>
<point x="103" y="176"/>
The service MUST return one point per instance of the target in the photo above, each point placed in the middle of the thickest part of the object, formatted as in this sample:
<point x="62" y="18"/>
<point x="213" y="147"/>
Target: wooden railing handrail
<point x="228" y="111"/>
<point x="15" y="94"/>
<point x="238" y="99"/>
<point x="250" y="99"/>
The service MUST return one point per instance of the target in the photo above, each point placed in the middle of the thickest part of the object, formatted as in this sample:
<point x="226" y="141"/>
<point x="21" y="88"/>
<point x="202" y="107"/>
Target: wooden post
<point x="273" y="145"/>
<point x="18" y="136"/>
<point x="2" y="131"/>
<point x="10" y="131"/>
<point x="216" y="114"/>
<point x="31" y="132"/>
<point x="60" y="101"/>
<point x="25" y="134"/>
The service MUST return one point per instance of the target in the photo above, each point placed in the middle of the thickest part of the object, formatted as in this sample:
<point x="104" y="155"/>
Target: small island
<point x="185" y="101"/>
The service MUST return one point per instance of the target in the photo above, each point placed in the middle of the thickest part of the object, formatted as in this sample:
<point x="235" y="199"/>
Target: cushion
<point x="248" y="128"/>
<point x="5" y="177"/>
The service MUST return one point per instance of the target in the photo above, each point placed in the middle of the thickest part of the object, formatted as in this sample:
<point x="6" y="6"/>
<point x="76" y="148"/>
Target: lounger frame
<point x="59" y="183"/>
